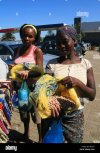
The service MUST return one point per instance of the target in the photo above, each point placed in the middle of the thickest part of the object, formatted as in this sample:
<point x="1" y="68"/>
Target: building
<point x="91" y="32"/>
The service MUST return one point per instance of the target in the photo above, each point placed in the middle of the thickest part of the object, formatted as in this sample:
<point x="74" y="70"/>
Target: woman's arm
<point x="39" y="57"/>
<point x="89" y="90"/>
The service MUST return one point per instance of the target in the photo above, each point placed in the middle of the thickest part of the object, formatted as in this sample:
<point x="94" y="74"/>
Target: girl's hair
<point x="30" y="26"/>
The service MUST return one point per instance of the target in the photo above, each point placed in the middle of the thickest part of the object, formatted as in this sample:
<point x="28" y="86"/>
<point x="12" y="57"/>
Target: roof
<point x="90" y="26"/>
<point x="40" y="27"/>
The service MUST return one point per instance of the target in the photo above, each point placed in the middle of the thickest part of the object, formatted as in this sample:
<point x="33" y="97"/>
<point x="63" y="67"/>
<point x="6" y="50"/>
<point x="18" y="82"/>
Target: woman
<point x="77" y="73"/>
<point x="29" y="53"/>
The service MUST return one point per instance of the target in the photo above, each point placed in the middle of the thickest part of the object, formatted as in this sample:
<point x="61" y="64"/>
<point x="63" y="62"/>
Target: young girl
<point x="76" y="73"/>
<point x="29" y="53"/>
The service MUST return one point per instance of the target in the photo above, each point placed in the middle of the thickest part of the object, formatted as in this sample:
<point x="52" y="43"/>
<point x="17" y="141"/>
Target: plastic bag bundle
<point x="25" y="66"/>
<point x="23" y="96"/>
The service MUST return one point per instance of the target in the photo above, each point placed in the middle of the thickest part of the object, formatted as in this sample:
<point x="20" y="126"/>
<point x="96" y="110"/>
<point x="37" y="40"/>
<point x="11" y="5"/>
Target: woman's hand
<point x="23" y="74"/>
<point x="11" y="66"/>
<point x="70" y="81"/>
<point x="54" y="105"/>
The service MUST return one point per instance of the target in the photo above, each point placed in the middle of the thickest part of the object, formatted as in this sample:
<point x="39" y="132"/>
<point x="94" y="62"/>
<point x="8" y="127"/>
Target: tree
<point x="80" y="35"/>
<point x="8" y="37"/>
<point x="77" y="26"/>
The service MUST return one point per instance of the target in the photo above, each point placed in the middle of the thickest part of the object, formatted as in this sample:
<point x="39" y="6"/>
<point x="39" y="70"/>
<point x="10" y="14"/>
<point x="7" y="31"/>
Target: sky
<point x="14" y="13"/>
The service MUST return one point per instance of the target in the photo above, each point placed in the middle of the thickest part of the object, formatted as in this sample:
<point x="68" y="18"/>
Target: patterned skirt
<point x="73" y="126"/>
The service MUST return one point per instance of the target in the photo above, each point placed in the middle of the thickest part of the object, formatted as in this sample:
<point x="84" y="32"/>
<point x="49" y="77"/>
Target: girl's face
<point x="28" y="36"/>
<point x="65" y="44"/>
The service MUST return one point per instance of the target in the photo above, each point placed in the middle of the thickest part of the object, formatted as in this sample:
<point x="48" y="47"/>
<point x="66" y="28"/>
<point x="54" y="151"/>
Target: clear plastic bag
<point x="23" y="96"/>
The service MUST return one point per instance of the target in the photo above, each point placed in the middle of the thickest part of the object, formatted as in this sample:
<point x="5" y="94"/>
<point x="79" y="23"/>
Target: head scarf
<point x="69" y="31"/>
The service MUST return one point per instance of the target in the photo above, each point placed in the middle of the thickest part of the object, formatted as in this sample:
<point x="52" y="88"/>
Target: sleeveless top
<point x="28" y="57"/>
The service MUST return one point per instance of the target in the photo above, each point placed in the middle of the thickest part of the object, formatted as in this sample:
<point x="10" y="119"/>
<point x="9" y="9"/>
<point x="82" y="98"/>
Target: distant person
<point x="80" y="49"/>
<point x="76" y="73"/>
<point x="29" y="53"/>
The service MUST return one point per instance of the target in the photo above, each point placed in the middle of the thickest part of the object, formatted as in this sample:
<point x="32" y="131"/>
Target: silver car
<point x="7" y="50"/>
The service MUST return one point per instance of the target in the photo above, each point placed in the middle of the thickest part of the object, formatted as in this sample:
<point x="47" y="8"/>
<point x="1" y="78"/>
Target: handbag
<point x="23" y="96"/>
<point x="54" y="133"/>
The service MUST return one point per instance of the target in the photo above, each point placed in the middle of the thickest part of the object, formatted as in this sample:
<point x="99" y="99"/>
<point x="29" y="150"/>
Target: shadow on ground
<point x="17" y="137"/>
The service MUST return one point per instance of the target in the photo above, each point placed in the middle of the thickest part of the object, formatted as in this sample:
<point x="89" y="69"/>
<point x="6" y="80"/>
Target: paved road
<point x="91" y="112"/>
<point x="92" y="109"/>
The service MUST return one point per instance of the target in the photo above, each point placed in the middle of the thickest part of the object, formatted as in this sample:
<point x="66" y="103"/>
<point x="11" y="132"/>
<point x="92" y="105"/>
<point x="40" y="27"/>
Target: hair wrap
<point x="68" y="30"/>
<point x="29" y="25"/>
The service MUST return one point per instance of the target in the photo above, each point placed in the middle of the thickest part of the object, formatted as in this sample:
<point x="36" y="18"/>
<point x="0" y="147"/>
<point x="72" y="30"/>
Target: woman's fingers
<point x="11" y="66"/>
<point x="55" y="109"/>
<point x="23" y="74"/>
<point x="55" y="112"/>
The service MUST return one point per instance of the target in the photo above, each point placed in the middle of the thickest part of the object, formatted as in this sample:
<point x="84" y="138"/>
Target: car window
<point x="4" y="50"/>
<point x="49" y="47"/>
<point x="15" y="46"/>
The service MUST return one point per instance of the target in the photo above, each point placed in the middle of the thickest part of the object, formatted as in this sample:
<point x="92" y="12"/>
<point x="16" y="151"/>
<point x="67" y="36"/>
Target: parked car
<point x="87" y="46"/>
<point x="7" y="50"/>
<point x="49" y="51"/>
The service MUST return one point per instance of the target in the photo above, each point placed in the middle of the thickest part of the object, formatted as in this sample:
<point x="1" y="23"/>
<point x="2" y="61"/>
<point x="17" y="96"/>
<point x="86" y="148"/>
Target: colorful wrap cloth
<point x="24" y="66"/>
<point x="48" y="86"/>
<point x="3" y="116"/>
<point x="6" y="109"/>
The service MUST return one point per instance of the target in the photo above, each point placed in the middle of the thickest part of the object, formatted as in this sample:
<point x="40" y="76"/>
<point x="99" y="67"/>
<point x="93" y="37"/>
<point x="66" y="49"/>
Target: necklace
<point x="69" y="68"/>
<point x="62" y="68"/>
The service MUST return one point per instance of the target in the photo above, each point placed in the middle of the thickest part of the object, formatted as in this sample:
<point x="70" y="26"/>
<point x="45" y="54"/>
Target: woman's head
<point x="28" y="34"/>
<point x="66" y="38"/>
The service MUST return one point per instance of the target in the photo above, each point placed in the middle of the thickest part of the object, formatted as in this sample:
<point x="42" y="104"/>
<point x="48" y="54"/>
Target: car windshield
<point x="15" y="46"/>
<point x="49" y="47"/>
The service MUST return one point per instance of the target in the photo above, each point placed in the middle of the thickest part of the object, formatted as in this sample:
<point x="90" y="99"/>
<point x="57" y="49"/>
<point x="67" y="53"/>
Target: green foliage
<point x="81" y="34"/>
<point x="8" y="37"/>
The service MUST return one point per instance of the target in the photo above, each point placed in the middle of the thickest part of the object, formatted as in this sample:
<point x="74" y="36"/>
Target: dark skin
<point x="28" y="37"/>
<point x="65" y="45"/>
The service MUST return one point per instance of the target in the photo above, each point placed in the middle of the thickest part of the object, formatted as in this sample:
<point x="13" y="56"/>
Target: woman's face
<point x="65" y="44"/>
<point x="28" y="36"/>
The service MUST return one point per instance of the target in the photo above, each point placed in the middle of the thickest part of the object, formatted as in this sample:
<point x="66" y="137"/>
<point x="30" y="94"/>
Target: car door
<point x="6" y="53"/>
